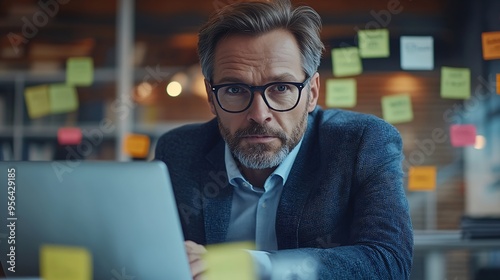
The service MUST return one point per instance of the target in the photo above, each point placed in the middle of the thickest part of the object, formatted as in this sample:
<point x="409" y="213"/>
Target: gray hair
<point x="261" y="17"/>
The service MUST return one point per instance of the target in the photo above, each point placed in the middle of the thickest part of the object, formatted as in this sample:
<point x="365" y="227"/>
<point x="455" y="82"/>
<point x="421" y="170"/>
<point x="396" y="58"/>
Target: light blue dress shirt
<point x="253" y="212"/>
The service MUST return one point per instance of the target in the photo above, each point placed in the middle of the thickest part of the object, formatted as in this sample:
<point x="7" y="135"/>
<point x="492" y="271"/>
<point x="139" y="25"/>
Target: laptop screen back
<point x="124" y="214"/>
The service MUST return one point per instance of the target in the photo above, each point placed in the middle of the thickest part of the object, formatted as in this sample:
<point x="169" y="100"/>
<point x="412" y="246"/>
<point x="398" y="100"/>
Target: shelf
<point x="451" y="240"/>
<point x="158" y="129"/>
<point x="6" y="131"/>
<point x="50" y="131"/>
<point x="100" y="75"/>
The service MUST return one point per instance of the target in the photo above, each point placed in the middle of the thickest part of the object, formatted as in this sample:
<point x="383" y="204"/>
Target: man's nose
<point x="258" y="111"/>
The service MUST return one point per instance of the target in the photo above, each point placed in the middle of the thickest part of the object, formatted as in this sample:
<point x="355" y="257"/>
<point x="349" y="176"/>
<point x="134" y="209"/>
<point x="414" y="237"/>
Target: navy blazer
<point x="343" y="205"/>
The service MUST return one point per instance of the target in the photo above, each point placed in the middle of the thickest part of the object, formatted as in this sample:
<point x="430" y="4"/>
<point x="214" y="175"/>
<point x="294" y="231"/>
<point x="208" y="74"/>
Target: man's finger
<point x="197" y="268"/>
<point x="194" y="248"/>
<point x="194" y="257"/>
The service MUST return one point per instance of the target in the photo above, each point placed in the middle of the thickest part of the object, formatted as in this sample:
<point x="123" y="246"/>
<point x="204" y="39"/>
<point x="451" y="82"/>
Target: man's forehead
<point x="274" y="53"/>
<point x="245" y="38"/>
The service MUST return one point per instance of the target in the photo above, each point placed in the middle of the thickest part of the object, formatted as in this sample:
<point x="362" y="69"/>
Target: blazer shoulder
<point x="191" y="138"/>
<point x="337" y="120"/>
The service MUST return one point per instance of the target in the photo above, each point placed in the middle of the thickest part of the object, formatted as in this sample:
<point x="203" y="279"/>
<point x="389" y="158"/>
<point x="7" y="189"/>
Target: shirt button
<point x="264" y="205"/>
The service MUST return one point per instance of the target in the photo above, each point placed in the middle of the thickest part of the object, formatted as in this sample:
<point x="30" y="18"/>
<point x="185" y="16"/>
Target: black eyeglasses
<point x="278" y="96"/>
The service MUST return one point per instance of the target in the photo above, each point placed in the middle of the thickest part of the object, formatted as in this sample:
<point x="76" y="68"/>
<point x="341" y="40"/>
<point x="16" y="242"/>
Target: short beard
<point x="256" y="156"/>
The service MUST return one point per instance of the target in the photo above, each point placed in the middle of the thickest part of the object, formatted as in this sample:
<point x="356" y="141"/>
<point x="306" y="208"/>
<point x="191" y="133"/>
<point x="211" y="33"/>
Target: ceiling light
<point x="174" y="88"/>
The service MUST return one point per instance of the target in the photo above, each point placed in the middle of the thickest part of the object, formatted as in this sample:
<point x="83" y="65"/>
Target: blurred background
<point x="146" y="80"/>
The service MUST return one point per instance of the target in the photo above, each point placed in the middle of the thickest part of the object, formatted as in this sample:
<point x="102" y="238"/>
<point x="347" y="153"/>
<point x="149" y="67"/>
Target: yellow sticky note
<point x="63" y="98"/>
<point x="65" y="262"/>
<point x="422" y="178"/>
<point x="373" y="43"/>
<point x="229" y="261"/>
<point x="346" y="62"/>
<point x="341" y="93"/>
<point x="37" y="101"/>
<point x="498" y="83"/>
<point x="491" y="45"/>
<point x="137" y="145"/>
<point x="455" y="83"/>
<point x="397" y="108"/>
<point x="80" y="71"/>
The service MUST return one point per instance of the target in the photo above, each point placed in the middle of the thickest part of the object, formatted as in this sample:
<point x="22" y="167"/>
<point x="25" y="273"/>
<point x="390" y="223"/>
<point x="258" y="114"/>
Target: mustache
<point x="257" y="129"/>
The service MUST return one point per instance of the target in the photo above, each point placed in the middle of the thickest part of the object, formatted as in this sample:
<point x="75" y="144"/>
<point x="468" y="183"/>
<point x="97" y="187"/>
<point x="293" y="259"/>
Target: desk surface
<point x="451" y="240"/>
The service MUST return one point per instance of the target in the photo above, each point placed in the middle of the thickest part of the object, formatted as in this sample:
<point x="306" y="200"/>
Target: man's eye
<point x="233" y="90"/>
<point x="280" y="88"/>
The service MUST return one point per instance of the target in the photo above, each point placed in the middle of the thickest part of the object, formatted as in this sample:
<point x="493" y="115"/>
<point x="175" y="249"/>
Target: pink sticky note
<point x="463" y="135"/>
<point x="69" y="136"/>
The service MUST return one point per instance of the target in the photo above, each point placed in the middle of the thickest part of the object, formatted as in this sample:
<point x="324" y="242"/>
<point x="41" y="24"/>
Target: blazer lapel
<point x="217" y="194"/>
<point x="296" y="191"/>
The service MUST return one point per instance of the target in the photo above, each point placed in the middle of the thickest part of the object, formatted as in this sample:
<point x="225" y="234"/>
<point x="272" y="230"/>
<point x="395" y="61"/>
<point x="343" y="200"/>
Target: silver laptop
<point x="123" y="213"/>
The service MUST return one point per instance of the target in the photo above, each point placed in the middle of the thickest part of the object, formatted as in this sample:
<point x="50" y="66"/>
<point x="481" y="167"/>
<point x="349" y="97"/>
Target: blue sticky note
<point x="417" y="52"/>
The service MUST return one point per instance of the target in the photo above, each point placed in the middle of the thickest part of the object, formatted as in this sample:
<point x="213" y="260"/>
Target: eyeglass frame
<point x="262" y="89"/>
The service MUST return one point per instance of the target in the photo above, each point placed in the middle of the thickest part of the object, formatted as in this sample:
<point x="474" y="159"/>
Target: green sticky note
<point x="346" y="62"/>
<point x="397" y="108"/>
<point x="37" y="101"/>
<point x="63" y="98"/>
<point x="455" y="83"/>
<point x="80" y="71"/>
<point x="341" y="93"/>
<point x="229" y="261"/>
<point x="65" y="262"/>
<point x="373" y="43"/>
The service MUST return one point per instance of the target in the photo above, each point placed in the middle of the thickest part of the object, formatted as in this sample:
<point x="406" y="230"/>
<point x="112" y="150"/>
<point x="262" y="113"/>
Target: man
<point x="323" y="186"/>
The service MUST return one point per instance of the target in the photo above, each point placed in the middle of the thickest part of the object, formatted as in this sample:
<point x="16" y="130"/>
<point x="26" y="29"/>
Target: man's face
<point x="260" y="137"/>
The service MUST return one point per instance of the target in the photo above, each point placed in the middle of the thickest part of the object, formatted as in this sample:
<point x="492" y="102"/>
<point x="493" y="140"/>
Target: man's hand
<point x="194" y="252"/>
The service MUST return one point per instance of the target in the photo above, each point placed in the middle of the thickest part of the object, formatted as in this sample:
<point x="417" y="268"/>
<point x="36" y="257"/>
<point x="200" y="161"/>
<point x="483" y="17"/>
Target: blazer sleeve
<point x="381" y="238"/>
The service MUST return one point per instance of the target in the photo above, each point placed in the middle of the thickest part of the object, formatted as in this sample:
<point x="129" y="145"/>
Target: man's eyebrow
<point x="231" y="80"/>
<point x="285" y="77"/>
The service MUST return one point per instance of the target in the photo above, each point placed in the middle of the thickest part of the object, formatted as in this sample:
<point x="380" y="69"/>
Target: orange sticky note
<point x="422" y="178"/>
<point x="69" y="136"/>
<point x="498" y="83"/>
<point x="65" y="262"/>
<point x="462" y="135"/>
<point x="491" y="45"/>
<point x="137" y="145"/>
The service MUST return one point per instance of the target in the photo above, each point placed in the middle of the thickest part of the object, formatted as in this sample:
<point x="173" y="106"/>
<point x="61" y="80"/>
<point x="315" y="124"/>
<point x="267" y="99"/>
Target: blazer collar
<point x="217" y="194"/>
<point x="296" y="190"/>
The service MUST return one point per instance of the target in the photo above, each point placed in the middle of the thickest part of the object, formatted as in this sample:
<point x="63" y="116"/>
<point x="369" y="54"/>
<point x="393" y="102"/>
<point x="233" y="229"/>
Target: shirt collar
<point x="283" y="170"/>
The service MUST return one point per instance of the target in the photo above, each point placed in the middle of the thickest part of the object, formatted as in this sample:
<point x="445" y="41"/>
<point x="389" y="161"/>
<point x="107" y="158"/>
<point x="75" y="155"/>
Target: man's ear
<point x="210" y="96"/>
<point x="315" y="86"/>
